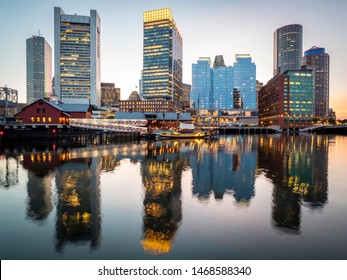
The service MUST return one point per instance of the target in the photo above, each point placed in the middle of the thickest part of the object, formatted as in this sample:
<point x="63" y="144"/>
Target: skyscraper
<point x="287" y="48"/>
<point x="222" y="84"/>
<point x="245" y="80"/>
<point x="77" y="57"/>
<point x="39" y="68"/>
<point x="318" y="59"/>
<point x="162" y="57"/>
<point x="201" y="92"/>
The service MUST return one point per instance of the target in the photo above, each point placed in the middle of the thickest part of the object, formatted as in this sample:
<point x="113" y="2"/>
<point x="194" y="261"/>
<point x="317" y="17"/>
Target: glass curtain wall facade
<point x="245" y="80"/>
<point x="287" y="48"/>
<point x="288" y="100"/>
<point x="77" y="58"/>
<point x="222" y="87"/>
<point x="162" y="58"/>
<point x="318" y="59"/>
<point x="38" y="68"/>
<point x="201" y="92"/>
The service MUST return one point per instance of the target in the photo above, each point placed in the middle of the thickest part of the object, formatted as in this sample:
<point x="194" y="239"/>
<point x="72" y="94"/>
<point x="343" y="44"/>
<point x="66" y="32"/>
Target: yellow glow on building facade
<point x="162" y="58"/>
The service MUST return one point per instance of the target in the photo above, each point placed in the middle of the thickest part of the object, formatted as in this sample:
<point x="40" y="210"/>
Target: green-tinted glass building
<point x="162" y="58"/>
<point x="287" y="100"/>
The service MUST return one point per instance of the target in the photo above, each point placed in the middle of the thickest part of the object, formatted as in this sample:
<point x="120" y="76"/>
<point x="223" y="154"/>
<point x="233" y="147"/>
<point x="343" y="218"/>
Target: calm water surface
<point x="241" y="197"/>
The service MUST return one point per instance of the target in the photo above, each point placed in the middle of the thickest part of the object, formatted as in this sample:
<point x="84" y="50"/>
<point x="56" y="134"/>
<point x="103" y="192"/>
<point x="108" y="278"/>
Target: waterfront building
<point x="245" y="80"/>
<point x="287" y="48"/>
<point x="146" y="106"/>
<point x="186" y="95"/>
<point x="318" y="59"/>
<point x="38" y="68"/>
<point x="201" y="92"/>
<point x="77" y="58"/>
<point x="287" y="100"/>
<point x="162" y="58"/>
<point x="258" y="87"/>
<point x="212" y="88"/>
<point x="43" y="113"/>
<point x="222" y="85"/>
<point x="110" y="95"/>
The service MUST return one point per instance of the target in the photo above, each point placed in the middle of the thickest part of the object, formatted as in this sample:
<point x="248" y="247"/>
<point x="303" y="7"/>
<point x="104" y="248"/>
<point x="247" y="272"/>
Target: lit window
<point x="38" y="119"/>
<point x="43" y="119"/>
<point x="32" y="119"/>
<point x="49" y="119"/>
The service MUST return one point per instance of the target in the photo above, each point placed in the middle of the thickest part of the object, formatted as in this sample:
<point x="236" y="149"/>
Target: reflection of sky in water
<point x="242" y="197"/>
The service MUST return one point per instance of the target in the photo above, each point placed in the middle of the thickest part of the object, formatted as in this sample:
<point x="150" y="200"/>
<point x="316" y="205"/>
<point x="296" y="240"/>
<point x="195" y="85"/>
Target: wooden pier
<point x="66" y="137"/>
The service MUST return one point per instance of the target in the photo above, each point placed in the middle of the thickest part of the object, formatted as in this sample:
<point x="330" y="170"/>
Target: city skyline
<point x="208" y="29"/>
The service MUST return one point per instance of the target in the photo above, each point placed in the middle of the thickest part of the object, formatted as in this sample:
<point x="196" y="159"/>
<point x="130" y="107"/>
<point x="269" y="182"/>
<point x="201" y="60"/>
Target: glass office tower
<point x="287" y="48"/>
<point x="318" y="59"/>
<point x="245" y="80"/>
<point x="77" y="58"/>
<point x="287" y="100"/>
<point x="39" y="68"/>
<point x="162" y="58"/>
<point x="222" y="87"/>
<point x="201" y="92"/>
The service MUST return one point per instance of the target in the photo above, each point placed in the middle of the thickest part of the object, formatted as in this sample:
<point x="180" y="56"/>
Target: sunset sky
<point x="209" y="28"/>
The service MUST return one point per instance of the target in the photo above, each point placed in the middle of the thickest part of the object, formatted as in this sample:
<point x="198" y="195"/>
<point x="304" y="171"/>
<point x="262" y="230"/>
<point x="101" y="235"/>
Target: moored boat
<point x="184" y="135"/>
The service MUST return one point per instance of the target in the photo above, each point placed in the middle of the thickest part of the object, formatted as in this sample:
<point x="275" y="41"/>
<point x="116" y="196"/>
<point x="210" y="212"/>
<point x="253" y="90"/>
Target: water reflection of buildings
<point x="77" y="180"/>
<point x="161" y="175"/>
<point x="8" y="170"/>
<point x="78" y="209"/>
<point x="227" y="166"/>
<point x="40" y="166"/>
<point x="298" y="166"/>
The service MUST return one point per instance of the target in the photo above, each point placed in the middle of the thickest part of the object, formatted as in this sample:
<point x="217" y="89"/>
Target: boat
<point x="184" y="135"/>
<point x="186" y="131"/>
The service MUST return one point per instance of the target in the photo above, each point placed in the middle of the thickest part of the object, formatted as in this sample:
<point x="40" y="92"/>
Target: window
<point x="37" y="110"/>
<point x="49" y="119"/>
<point x="38" y="119"/>
<point x="43" y="110"/>
<point x="32" y="119"/>
<point x="43" y="119"/>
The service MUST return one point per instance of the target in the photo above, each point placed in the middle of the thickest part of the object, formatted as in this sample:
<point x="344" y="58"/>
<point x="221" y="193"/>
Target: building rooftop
<point x="74" y="107"/>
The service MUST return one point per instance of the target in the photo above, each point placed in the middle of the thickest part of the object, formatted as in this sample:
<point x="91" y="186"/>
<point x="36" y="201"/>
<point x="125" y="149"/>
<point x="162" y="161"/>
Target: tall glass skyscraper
<point x="162" y="58"/>
<point x="201" y="92"/>
<point x="287" y="48"/>
<point x="77" y="58"/>
<point x="318" y="59"/>
<point x="39" y="68"/>
<point x="214" y="88"/>
<point x="245" y="80"/>
<point x="222" y="87"/>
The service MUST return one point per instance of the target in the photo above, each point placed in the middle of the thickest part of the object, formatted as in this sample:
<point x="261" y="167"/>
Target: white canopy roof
<point x="187" y="126"/>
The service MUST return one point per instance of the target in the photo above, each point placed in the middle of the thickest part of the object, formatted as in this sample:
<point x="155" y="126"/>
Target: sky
<point x="209" y="28"/>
